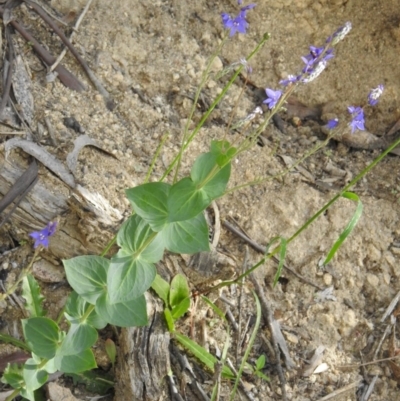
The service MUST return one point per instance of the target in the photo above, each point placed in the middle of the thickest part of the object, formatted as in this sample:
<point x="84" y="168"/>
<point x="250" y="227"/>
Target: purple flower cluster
<point x="357" y="113"/>
<point x="316" y="60"/>
<point x="358" y="119"/>
<point x="239" y="23"/>
<point x="273" y="97"/>
<point x="42" y="237"/>
<point x="315" y="57"/>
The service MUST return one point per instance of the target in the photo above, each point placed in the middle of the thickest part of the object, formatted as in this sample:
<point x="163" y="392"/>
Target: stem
<point x="153" y="162"/>
<point x="11" y="340"/>
<point x="287" y="170"/>
<point x="204" y="78"/>
<point x="90" y="309"/>
<point x="345" y="189"/>
<point x="311" y="220"/>
<point x="108" y="246"/>
<point x="209" y="111"/>
<point x="12" y="395"/>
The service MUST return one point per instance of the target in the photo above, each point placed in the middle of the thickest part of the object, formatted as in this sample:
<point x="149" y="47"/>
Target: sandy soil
<point x="150" y="57"/>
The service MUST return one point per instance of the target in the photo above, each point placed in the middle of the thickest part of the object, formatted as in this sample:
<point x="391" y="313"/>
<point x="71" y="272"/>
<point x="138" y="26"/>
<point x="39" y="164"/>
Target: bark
<point x="143" y="358"/>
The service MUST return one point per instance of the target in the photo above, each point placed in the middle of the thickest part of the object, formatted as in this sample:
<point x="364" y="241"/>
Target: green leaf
<point x="42" y="335"/>
<point x="189" y="236"/>
<point x="349" y="228"/>
<point x="179" y="290"/>
<point x="261" y="375"/>
<point x="87" y="275"/>
<point x="33" y="297"/>
<point x="13" y="375"/>
<point x="260" y="362"/>
<point x="132" y="272"/>
<point x="96" y="321"/>
<point x="131" y="313"/>
<point x="209" y="177"/>
<point x="138" y="241"/>
<point x="150" y="202"/>
<point x="203" y="355"/>
<point x="161" y="287"/>
<point x="223" y="151"/>
<point x="79" y="337"/>
<point x="34" y="376"/>
<point x="180" y="309"/>
<point x="190" y="196"/>
<point x="186" y="200"/>
<point x="28" y="394"/>
<point x="169" y="319"/>
<point x="179" y="296"/>
<point x="77" y="311"/>
<point x="128" y="279"/>
<point x="76" y="363"/>
<point x="219" y="147"/>
<point x="111" y="350"/>
<point x="49" y="366"/>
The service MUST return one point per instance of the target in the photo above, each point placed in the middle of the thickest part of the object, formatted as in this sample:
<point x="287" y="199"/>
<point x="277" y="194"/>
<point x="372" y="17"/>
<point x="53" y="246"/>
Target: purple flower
<point x="238" y="24"/>
<point x="374" y="95"/>
<point x="315" y="56"/>
<point x="332" y="123"/>
<point x="358" y="119"/>
<point x="273" y="97"/>
<point x="289" y="80"/>
<point x="42" y="237"/>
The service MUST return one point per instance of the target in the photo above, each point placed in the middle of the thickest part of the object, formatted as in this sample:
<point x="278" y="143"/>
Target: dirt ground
<point x="150" y="56"/>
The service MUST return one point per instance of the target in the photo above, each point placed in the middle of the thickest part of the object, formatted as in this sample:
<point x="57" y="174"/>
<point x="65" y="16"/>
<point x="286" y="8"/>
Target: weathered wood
<point x="81" y="230"/>
<point x="143" y="358"/>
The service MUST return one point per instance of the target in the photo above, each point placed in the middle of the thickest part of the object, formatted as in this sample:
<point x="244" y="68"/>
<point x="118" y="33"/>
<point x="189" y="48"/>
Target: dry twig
<point x="96" y="82"/>
<point x="342" y="390"/>
<point x="75" y="29"/>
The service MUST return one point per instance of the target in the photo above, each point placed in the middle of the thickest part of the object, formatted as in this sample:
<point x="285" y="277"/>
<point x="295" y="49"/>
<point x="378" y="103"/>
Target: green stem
<point x="311" y="220"/>
<point x="204" y="78"/>
<point x="12" y="395"/>
<point x="153" y="162"/>
<point x="11" y="340"/>
<point x="287" y="170"/>
<point x="345" y="189"/>
<point x="108" y="246"/>
<point x="209" y="111"/>
<point x="90" y="309"/>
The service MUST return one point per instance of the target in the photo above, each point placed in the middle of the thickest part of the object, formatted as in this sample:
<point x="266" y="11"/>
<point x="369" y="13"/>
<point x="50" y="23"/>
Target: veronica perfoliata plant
<point x="166" y="216"/>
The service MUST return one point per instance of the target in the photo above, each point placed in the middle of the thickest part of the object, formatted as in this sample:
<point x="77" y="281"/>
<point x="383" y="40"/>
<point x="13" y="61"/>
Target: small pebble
<point x="373" y="279"/>
<point x="47" y="272"/>
<point x="328" y="279"/>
